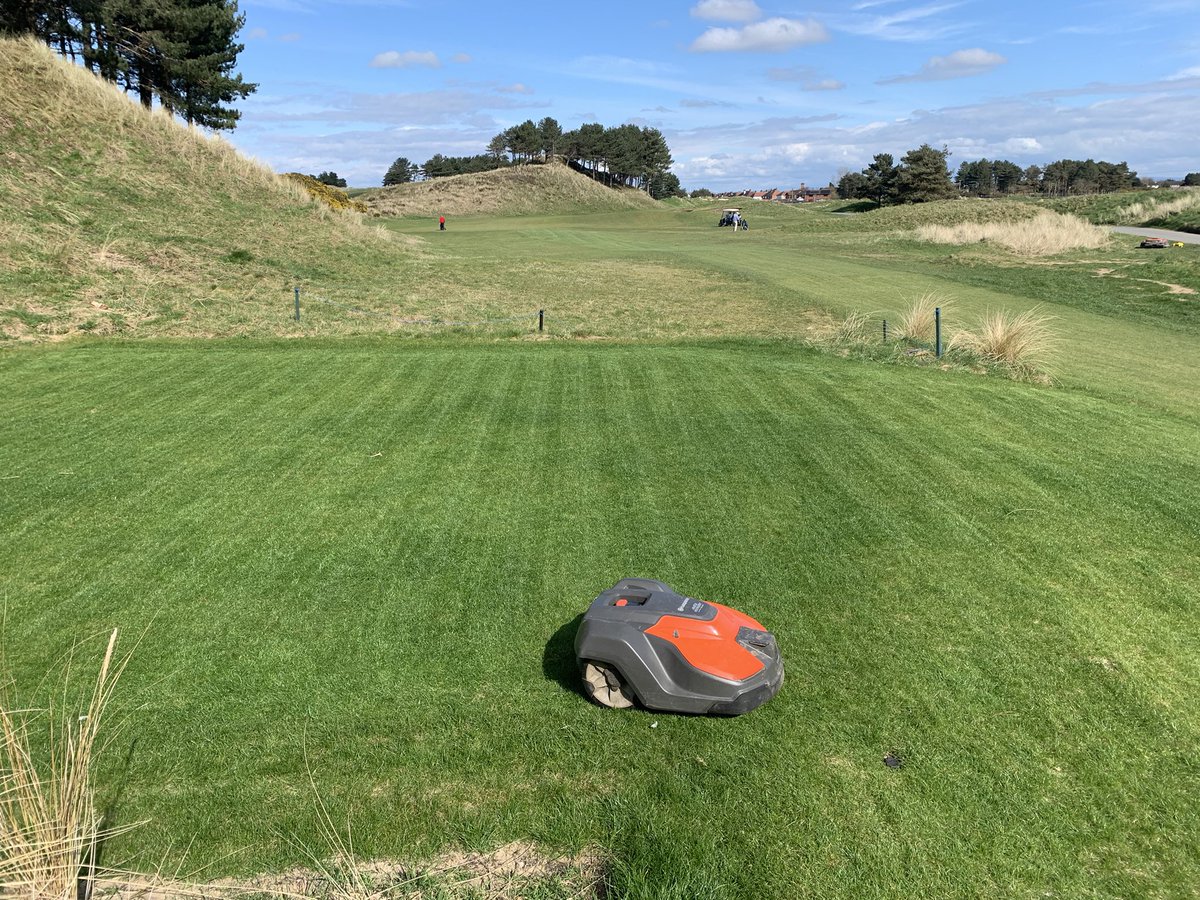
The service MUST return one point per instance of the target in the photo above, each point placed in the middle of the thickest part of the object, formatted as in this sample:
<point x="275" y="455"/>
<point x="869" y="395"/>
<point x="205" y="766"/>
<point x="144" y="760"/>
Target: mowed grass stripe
<point x="990" y="577"/>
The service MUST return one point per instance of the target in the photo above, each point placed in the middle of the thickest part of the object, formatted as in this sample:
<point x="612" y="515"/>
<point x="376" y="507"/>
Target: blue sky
<point x="749" y="93"/>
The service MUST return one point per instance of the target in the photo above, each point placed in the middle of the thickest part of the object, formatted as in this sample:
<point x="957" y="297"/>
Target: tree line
<point x="181" y="53"/>
<point x="1063" y="177"/>
<point x="923" y="174"/>
<point x="623" y="155"/>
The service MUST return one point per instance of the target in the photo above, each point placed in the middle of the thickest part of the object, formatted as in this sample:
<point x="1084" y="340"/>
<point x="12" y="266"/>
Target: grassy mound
<point x="119" y="220"/>
<point x="521" y="190"/>
<point x="941" y="212"/>
<point x="1175" y="209"/>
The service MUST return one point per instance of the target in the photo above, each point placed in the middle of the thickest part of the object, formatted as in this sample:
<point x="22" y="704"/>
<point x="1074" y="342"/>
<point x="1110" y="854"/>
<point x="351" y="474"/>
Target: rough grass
<point x="1047" y="234"/>
<point x="972" y="211"/>
<point x="1021" y="340"/>
<point x="919" y="321"/>
<point x="1176" y="208"/>
<point x="1159" y="206"/>
<point x="50" y="827"/>
<point x="518" y="190"/>
<point x="121" y="221"/>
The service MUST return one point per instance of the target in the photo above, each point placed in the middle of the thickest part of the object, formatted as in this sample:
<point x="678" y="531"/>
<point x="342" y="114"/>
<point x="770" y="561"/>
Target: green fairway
<point x="376" y="553"/>
<point x="673" y="274"/>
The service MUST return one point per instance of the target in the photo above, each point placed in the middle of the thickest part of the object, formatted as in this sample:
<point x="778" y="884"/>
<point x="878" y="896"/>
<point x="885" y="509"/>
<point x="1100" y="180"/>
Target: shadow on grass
<point x="558" y="659"/>
<point x="110" y="821"/>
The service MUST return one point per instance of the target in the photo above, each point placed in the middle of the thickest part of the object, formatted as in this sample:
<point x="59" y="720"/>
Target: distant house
<point x="802" y="194"/>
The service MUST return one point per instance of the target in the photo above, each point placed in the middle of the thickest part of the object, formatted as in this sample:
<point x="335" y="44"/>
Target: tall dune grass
<point x="1047" y="234"/>
<point x="49" y="825"/>
<point x="1158" y="206"/>
<point x="1020" y="340"/>
<point x="919" y="321"/>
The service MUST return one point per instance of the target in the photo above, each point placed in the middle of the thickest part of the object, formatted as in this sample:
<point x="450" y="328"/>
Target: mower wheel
<point x="603" y="684"/>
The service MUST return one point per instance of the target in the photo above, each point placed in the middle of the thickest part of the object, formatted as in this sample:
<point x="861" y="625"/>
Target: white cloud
<point x="807" y="77"/>
<point x="461" y="58"/>
<point x="393" y="59"/>
<point x="959" y="64"/>
<point x="423" y="109"/>
<point x="918" y="23"/>
<point x="290" y="38"/>
<point x="727" y="10"/>
<point x="1022" y="145"/>
<point x="517" y="88"/>
<point x="1156" y="138"/>
<point x="256" y="34"/>
<point x="771" y="36"/>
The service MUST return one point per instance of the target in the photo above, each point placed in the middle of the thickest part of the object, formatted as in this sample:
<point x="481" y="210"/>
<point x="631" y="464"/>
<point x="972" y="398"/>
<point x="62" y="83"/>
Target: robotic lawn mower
<point x="642" y="642"/>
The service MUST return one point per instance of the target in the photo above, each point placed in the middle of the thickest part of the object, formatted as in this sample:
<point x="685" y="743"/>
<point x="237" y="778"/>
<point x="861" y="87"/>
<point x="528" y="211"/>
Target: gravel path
<point x="1159" y="232"/>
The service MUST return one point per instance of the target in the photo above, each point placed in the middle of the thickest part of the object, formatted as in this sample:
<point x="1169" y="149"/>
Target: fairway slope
<point x="515" y="191"/>
<point x="117" y="220"/>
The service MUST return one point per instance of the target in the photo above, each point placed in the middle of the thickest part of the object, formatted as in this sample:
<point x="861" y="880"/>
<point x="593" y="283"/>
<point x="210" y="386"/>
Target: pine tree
<point x="180" y="52"/>
<point x="24" y="18"/>
<point x="922" y="176"/>
<point x="495" y="148"/>
<point x="881" y="177"/>
<point x="200" y="79"/>
<point x="655" y="161"/>
<point x="400" y="172"/>
<point x="549" y="137"/>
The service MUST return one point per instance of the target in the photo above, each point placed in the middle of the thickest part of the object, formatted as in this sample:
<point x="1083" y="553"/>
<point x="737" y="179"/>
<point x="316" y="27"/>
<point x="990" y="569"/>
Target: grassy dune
<point x="504" y="192"/>
<point x="118" y="221"/>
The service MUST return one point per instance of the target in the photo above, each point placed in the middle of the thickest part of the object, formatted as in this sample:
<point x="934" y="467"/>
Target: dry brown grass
<point x="852" y="329"/>
<point x="918" y="322"/>
<point x="49" y="825"/>
<point x="1047" y="234"/>
<point x="1019" y="340"/>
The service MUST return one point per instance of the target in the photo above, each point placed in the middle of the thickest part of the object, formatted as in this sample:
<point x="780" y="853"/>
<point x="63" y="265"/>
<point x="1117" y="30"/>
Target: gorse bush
<point x="1047" y="234"/>
<point x="332" y="197"/>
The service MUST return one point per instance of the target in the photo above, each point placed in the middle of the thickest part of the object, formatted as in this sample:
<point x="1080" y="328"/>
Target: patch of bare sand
<point x="1171" y="288"/>
<point x="515" y="870"/>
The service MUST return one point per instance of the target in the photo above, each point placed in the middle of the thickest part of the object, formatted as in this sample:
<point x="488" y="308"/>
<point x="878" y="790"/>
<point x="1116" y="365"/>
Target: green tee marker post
<point x="541" y="318"/>
<point x="297" y="290"/>
<point x="885" y="331"/>
<point x="937" y="330"/>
